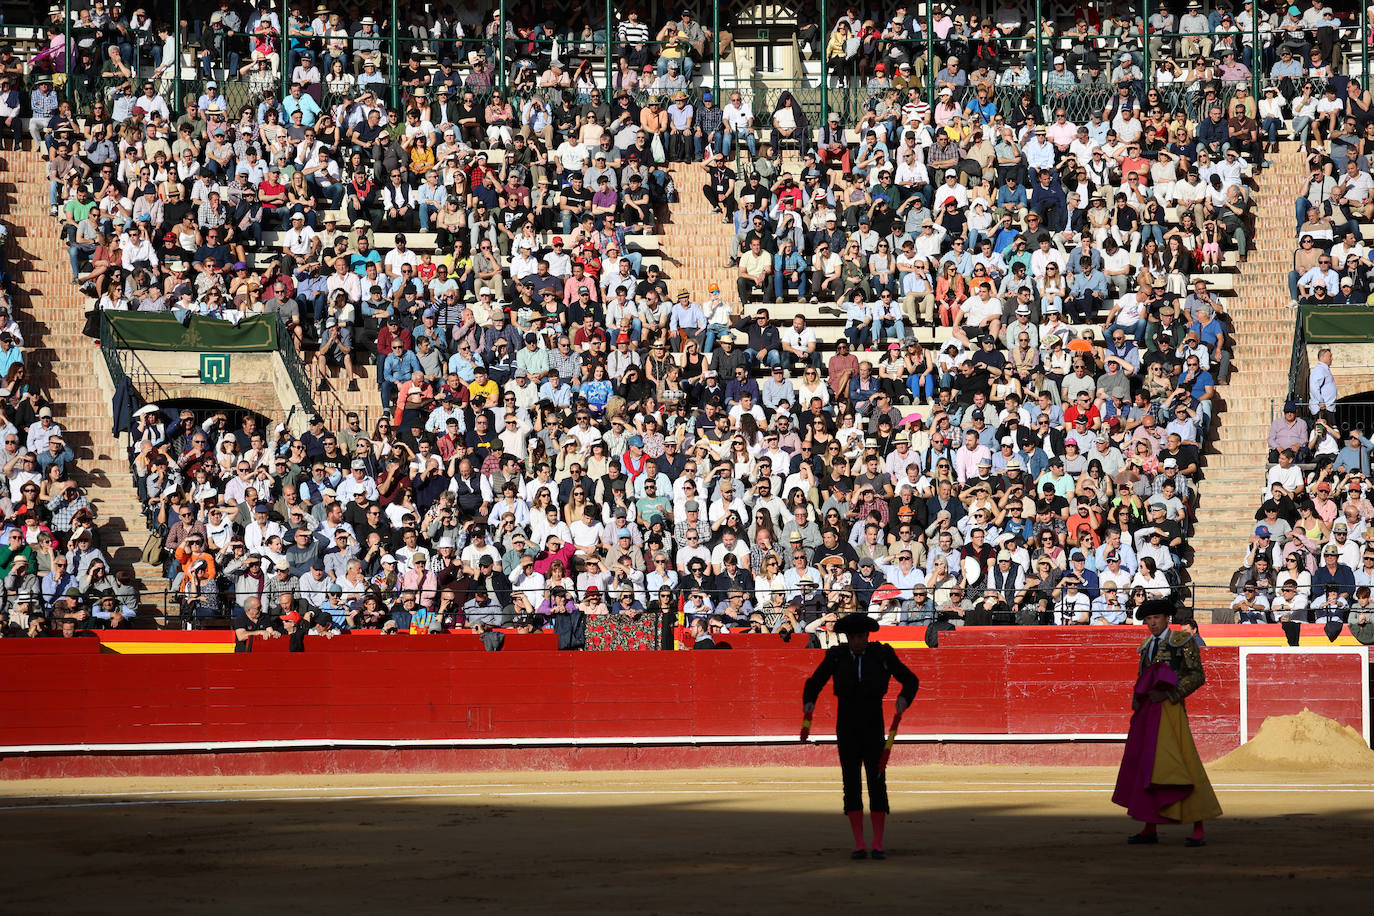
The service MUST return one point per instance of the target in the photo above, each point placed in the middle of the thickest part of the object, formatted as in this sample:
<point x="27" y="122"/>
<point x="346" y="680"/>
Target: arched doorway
<point x="227" y="418"/>
<point x="1355" y="411"/>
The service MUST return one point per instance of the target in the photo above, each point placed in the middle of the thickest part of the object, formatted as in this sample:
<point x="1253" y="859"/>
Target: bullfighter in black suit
<point x="861" y="671"/>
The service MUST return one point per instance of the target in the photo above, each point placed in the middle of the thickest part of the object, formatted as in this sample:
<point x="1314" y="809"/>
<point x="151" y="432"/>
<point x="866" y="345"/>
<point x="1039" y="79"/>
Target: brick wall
<point x="256" y="398"/>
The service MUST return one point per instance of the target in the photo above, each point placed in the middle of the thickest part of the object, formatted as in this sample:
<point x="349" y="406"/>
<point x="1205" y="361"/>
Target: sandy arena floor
<point x="702" y="841"/>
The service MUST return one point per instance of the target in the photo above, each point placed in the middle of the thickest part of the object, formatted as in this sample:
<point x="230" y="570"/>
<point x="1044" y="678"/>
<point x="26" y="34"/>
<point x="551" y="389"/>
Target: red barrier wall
<point x="989" y="704"/>
<point x="1275" y="686"/>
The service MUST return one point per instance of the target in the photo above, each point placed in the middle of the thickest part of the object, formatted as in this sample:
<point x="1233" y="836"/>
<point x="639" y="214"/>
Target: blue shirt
<point x="1321" y="388"/>
<point x="463" y="367"/>
<point x="1095" y="282"/>
<point x="1354" y="458"/>
<point x="9" y="359"/>
<point x="1201" y="382"/>
<point x="42" y="103"/>
<point x="359" y="262"/>
<point x="963" y="263"/>
<point x="1343" y="576"/>
<point x="560" y="396"/>
<point x="312" y="286"/>
<point x="305" y="104"/>
<point x="1033" y="462"/>
<point x="1209" y="333"/>
<point x="986" y="109"/>
<point x="397" y="369"/>
<point x="1009" y="195"/>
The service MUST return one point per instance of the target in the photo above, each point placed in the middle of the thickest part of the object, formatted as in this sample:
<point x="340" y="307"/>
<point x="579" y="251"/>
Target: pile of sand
<point x="1306" y="741"/>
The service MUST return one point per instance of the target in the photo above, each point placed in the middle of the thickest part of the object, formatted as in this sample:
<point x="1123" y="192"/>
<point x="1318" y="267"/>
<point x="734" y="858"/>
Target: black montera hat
<point x="856" y="623"/>
<point x="1155" y="606"/>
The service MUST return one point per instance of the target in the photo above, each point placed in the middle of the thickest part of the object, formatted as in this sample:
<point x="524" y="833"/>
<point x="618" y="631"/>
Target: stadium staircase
<point x="50" y="311"/>
<point x="362" y="395"/>
<point x="695" y="248"/>
<point x="695" y="244"/>
<point x="1235" y="462"/>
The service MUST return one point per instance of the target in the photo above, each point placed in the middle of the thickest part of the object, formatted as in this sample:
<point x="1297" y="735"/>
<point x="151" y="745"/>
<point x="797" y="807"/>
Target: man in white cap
<point x="356" y="481"/>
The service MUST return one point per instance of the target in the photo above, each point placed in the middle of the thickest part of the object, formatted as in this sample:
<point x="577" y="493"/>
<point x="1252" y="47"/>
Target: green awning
<point x="1337" y="323"/>
<point x="161" y="331"/>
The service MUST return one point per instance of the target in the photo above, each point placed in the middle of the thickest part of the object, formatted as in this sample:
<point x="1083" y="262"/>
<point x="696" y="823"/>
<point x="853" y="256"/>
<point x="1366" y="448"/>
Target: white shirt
<point x="350" y="486"/>
<point x="1073" y="608"/>
<point x="585" y="535"/>
<point x="531" y="586"/>
<point x="255" y="535"/>
<point x="1357" y="188"/>
<point x="906" y="581"/>
<point x="396" y="257"/>
<point x="573" y="156"/>
<point x="299" y="241"/>
<point x="739" y="116"/>
<point x="19" y="479"/>
<point x="957" y="193"/>
<point x="797" y="340"/>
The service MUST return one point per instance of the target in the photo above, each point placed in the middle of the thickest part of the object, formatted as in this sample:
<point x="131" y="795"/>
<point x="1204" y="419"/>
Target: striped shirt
<point x="632" y="32"/>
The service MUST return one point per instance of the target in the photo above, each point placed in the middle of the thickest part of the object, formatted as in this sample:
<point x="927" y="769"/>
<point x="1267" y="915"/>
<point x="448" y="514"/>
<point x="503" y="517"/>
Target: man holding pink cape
<point x="1161" y="780"/>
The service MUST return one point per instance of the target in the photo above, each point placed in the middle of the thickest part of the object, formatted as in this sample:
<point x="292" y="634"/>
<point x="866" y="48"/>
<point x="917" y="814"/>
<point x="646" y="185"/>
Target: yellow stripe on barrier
<point x="168" y="648"/>
<point x="1280" y="642"/>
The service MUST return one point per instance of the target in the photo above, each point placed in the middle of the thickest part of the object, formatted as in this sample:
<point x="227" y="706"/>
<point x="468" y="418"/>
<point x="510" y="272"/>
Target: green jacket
<point x="8" y="555"/>
<point x="1181" y="653"/>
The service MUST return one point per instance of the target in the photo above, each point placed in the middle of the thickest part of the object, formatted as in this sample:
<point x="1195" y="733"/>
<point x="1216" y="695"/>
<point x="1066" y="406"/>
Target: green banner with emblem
<point x="162" y="331"/>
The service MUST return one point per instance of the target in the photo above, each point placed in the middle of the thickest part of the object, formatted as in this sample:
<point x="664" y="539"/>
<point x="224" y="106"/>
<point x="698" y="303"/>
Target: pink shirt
<point x="1061" y="133"/>
<point x="966" y="461"/>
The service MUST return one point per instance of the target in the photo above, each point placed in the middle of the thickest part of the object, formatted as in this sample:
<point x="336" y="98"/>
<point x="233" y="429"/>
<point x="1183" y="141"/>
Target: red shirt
<point x="1092" y="413"/>
<point x="267" y="189"/>
<point x="385" y="340"/>
<point x="1137" y="164"/>
<point x="591" y="265"/>
<point x="583" y="337"/>
<point x="460" y="393"/>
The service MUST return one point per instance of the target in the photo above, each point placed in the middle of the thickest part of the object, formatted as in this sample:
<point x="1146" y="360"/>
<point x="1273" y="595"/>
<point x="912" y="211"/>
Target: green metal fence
<point x="839" y="84"/>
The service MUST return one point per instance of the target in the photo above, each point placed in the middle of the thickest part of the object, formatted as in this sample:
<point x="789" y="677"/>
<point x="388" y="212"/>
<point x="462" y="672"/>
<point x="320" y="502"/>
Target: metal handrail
<point x="1297" y="360"/>
<point x="295" y="367"/>
<point x="331" y="407"/>
<point x="124" y="362"/>
<point x="394" y="45"/>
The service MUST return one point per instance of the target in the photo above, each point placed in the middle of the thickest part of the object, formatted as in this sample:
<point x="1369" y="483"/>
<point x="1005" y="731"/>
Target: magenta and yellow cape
<point x="1161" y="780"/>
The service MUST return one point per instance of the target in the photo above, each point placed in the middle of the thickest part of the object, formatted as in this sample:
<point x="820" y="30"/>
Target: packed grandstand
<point x="965" y="371"/>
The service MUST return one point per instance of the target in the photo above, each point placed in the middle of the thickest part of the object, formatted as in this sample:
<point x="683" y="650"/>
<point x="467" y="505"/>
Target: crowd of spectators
<point x="53" y="563"/>
<point x="1332" y="265"/>
<point x="566" y="429"/>
<point x="1308" y="561"/>
<point x="1311" y="554"/>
